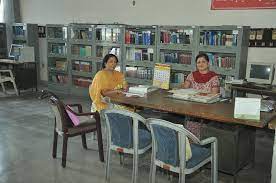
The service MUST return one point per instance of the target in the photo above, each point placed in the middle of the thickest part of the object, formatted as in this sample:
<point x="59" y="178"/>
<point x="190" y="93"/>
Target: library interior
<point x="183" y="93"/>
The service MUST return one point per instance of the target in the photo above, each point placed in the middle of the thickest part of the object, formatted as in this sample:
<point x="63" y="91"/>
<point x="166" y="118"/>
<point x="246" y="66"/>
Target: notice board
<point x="242" y="4"/>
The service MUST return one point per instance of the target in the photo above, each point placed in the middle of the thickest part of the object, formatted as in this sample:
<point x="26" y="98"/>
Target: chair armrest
<point x="76" y="105"/>
<point x="9" y="71"/>
<point x="208" y="141"/>
<point x="81" y="113"/>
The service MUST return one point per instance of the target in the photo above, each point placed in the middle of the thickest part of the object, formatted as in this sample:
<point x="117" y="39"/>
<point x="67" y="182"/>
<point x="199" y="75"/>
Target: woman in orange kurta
<point x="106" y="81"/>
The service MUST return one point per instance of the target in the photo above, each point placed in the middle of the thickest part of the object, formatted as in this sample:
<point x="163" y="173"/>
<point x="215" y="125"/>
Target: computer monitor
<point x="274" y="80"/>
<point x="260" y="73"/>
<point x="15" y="51"/>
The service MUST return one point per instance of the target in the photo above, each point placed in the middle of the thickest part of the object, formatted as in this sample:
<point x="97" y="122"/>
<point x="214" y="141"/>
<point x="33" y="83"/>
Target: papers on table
<point x="247" y="108"/>
<point x="194" y="95"/>
<point x="140" y="90"/>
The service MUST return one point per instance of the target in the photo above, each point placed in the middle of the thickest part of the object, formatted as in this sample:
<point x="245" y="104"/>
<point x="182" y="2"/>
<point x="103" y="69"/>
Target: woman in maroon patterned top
<point x="202" y="79"/>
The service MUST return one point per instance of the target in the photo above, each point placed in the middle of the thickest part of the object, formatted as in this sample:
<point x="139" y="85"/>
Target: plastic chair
<point x="126" y="133"/>
<point x="169" y="150"/>
<point x="64" y="127"/>
<point x="7" y="78"/>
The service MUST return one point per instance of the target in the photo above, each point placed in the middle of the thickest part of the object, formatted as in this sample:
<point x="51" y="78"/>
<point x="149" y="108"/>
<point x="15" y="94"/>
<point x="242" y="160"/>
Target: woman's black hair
<point x="107" y="57"/>
<point x="204" y="55"/>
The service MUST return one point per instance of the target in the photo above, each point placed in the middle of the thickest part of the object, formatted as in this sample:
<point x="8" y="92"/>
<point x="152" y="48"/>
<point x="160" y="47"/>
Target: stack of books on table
<point x="194" y="95"/>
<point x="140" y="90"/>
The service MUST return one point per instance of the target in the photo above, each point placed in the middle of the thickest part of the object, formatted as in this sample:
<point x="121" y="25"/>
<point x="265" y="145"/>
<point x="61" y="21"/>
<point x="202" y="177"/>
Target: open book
<point x="194" y="95"/>
<point x="140" y="90"/>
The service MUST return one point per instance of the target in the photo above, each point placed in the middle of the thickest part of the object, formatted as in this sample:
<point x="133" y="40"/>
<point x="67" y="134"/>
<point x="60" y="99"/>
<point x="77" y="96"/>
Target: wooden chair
<point x="8" y="77"/>
<point x="65" y="128"/>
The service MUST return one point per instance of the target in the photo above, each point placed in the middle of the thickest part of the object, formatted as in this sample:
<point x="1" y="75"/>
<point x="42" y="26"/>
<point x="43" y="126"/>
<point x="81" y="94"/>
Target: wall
<point x="160" y="12"/>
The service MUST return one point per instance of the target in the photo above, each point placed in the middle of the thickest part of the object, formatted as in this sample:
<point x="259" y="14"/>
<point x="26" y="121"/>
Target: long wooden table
<point x="219" y="112"/>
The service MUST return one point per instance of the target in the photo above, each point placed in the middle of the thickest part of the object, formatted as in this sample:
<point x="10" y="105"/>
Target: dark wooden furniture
<point x="24" y="72"/>
<point x="219" y="112"/>
<point x="247" y="88"/>
<point x="65" y="128"/>
<point x="272" y="125"/>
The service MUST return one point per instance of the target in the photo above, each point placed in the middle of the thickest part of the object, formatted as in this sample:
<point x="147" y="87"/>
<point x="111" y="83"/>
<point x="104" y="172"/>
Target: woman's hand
<point x="110" y="92"/>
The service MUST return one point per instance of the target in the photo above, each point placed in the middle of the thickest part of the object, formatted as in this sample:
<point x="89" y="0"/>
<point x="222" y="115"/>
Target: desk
<point x="272" y="125"/>
<point x="244" y="88"/>
<point x="219" y="112"/>
<point x="25" y="73"/>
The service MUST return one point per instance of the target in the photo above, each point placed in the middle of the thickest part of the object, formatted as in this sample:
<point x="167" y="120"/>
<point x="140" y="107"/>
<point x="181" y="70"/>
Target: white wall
<point x="159" y="12"/>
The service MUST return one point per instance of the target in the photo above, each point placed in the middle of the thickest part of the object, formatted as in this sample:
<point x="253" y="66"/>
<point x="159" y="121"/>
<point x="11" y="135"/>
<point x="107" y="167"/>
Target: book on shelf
<point x="88" y="51"/>
<point x="85" y="66"/>
<point x="83" y="34"/>
<point x="61" y="65"/>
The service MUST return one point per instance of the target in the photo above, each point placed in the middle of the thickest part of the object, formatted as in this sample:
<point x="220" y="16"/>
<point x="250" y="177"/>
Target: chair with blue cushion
<point x="126" y="133"/>
<point x="169" y="150"/>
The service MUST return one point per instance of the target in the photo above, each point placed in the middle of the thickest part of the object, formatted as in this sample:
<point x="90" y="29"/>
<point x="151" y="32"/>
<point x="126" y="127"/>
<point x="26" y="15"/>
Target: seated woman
<point x="107" y="80"/>
<point x="201" y="79"/>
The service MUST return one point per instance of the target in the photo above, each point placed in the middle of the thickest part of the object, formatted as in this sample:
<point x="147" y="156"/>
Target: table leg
<point x="273" y="166"/>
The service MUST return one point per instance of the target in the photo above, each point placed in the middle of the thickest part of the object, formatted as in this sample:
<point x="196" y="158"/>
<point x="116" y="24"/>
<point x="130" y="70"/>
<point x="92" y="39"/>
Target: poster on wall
<point x="242" y="4"/>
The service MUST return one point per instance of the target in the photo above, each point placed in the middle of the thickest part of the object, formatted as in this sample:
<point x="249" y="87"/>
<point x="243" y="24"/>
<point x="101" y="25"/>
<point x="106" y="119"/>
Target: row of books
<point x="57" y="78"/>
<point x="140" y="38"/>
<point x="177" y="77"/>
<point x="177" y="57"/>
<point x="222" y="61"/>
<point x="139" y="72"/>
<point x="82" y="82"/>
<point x="101" y="51"/>
<point x="81" y="34"/>
<point x="218" y="38"/>
<point x="81" y="50"/>
<point x="175" y="37"/>
<point x="19" y="31"/>
<point x="139" y="54"/>
<point x="57" y="32"/>
<point x="108" y="34"/>
<point x="57" y="48"/>
<point x="82" y="66"/>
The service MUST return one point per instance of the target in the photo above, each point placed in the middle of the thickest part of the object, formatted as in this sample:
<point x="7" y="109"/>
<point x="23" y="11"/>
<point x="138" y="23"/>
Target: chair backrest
<point x="122" y="126"/>
<point x="169" y="141"/>
<point x="62" y="119"/>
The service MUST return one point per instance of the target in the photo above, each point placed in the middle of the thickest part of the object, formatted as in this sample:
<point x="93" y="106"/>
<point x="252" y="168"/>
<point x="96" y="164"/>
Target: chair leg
<point x="107" y="166"/>
<point x="181" y="177"/>
<point x="54" y="153"/>
<point x="3" y="87"/>
<point x="152" y="170"/>
<point x="83" y="138"/>
<point x="15" y="88"/>
<point x="214" y="163"/>
<point x="99" y="136"/>
<point x="64" y="151"/>
<point x="135" y="168"/>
